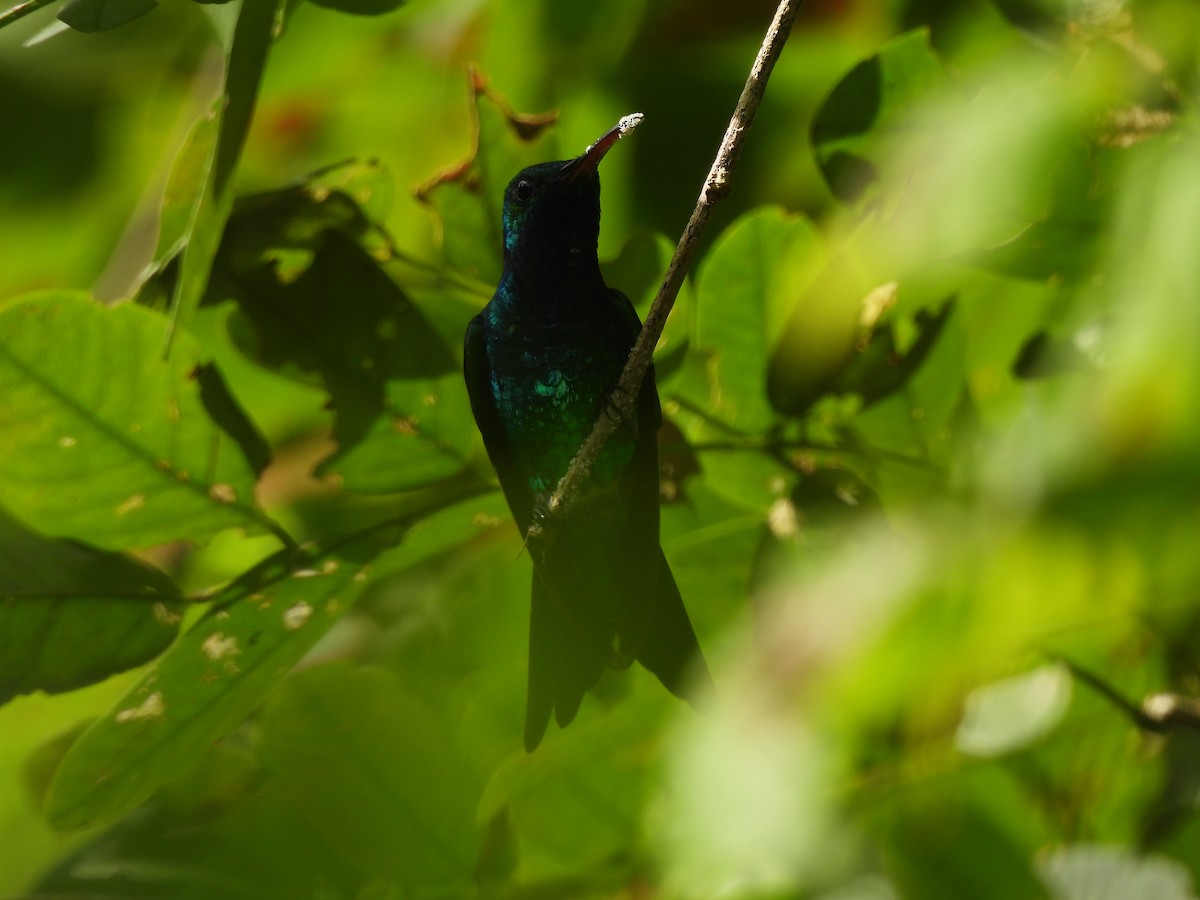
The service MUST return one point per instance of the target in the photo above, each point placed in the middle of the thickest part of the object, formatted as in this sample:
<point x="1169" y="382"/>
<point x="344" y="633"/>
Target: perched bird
<point x="540" y="361"/>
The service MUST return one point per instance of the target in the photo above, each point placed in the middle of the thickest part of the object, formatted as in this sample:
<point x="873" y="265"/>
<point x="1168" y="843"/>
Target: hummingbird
<point x="541" y="360"/>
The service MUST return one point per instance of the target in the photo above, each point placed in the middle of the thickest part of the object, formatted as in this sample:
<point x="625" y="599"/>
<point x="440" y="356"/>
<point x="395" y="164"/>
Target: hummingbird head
<point x="552" y="210"/>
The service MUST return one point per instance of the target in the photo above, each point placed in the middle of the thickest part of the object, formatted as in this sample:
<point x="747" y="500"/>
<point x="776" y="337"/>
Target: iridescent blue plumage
<point x="540" y="361"/>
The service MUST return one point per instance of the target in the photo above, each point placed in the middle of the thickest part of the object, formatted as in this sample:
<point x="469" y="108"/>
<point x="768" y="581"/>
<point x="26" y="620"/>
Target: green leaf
<point x="374" y="770"/>
<point x="102" y="15"/>
<point x="980" y="856"/>
<point x="104" y="440"/>
<point x="361" y="7"/>
<point x="881" y="363"/>
<point x="72" y="616"/>
<point x="402" y="419"/>
<point x="210" y="680"/>
<point x="745" y="286"/>
<point x="852" y="130"/>
<point x="231" y="115"/>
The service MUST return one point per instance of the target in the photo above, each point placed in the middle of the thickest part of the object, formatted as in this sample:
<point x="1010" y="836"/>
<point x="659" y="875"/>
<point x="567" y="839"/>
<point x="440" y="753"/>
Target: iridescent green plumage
<point x="540" y="361"/>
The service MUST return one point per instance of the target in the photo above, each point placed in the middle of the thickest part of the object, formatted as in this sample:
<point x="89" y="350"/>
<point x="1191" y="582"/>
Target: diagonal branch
<point x="716" y="186"/>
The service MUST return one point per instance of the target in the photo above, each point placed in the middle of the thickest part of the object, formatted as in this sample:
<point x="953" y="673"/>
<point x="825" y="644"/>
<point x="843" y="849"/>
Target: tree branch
<point x="716" y="186"/>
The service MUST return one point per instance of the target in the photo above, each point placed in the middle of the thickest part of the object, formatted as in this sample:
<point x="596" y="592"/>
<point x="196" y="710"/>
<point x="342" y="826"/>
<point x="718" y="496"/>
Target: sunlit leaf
<point x="105" y="440"/>
<point x="1009" y="714"/>
<point x="1082" y="872"/>
<point x="213" y="676"/>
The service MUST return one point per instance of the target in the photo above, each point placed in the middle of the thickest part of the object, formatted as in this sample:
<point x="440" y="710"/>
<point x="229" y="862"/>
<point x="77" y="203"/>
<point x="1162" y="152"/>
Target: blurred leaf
<point x="224" y="410"/>
<point x="880" y="366"/>
<point x="1045" y="355"/>
<point x="1114" y="873"/>
<point x="102" y="15"/>
<point x="941" y="846"/>
<point x="72" y="616"/>
<point x="742" y="295"/>
<point x="853" y="129"/>
<point x="468" y="197"/>
<point x="231" y="114"/>
<point x="210" y="680"/>
<point x="104" y="440"/>
<point x="361" y="7"/>
<point x="1007" y="715"/>
<point x="374" y="771"/>
<point x="744" y="805"/>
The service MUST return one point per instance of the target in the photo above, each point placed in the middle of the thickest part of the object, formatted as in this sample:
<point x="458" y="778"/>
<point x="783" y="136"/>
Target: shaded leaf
<point x="361" y="7"/>
<point x="852" y="129"/>
<point x="102" y="15"/>
<point x="105" y="441"/>
<point x="72" y="616"/>
<point x="879" y="366"/>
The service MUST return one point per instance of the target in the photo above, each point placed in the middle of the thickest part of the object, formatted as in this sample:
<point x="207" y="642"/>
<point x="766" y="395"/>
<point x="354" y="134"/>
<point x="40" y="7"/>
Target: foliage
<point x="929" y="480"/>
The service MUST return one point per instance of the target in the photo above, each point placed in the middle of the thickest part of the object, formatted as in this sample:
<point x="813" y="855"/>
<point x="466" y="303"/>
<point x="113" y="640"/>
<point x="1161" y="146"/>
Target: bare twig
<point x="1159" y="713"/>
<point x="716" y="186"/>
<point x="21" y="10"/>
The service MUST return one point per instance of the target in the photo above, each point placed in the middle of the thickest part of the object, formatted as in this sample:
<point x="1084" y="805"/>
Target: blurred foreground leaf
<point x="302" y="265"/>
<point x="374" y="770"/>
<point x="855" y="129"/>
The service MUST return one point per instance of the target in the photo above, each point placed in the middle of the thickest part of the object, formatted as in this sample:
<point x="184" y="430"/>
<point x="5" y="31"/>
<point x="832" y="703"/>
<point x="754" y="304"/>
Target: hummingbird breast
<point x="551" y="374"/>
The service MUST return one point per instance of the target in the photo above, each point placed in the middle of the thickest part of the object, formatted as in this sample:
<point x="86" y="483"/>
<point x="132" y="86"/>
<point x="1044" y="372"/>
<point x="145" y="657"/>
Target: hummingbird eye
<point x="523" y="190"/>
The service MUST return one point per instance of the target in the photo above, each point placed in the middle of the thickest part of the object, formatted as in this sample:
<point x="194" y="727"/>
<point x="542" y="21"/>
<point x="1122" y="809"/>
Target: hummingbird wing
<point x="478" y="374"/>
<point x="670" y="649"/>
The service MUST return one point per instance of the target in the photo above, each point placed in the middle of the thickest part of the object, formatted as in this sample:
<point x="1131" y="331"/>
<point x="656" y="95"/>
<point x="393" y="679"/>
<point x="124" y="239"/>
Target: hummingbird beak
<point x="590" y="160"/>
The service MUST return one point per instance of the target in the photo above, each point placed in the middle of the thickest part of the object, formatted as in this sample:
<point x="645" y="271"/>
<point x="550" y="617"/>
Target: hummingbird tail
<point x="670" y="649"/>
<point x="561" y="668"/>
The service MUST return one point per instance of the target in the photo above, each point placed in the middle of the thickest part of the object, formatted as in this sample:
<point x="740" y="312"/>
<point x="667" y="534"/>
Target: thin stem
<point x="716" y="186"/>
<point x="21" y="10"/>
